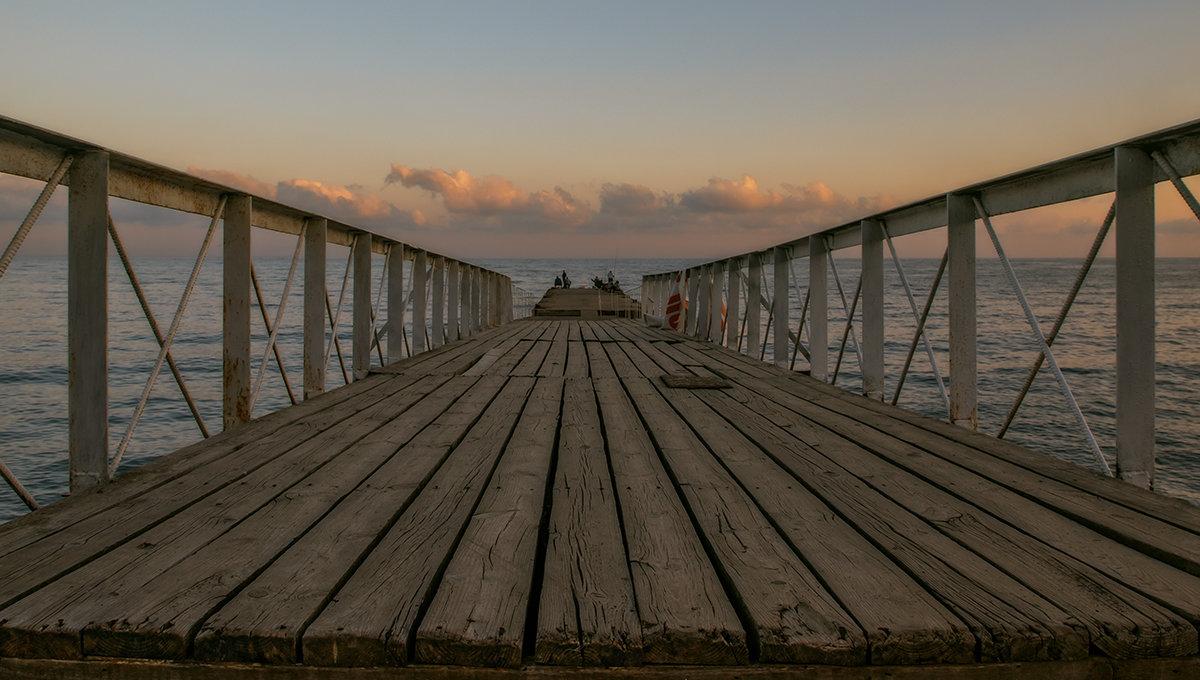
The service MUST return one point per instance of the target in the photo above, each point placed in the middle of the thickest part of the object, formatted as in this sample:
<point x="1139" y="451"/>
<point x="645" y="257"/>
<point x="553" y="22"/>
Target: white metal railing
<point x="442" y="299"/>
<point x="693" y="299"/>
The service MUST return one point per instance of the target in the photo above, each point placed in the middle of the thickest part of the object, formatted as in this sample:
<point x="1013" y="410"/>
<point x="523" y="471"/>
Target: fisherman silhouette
<point x="558" y="282"/>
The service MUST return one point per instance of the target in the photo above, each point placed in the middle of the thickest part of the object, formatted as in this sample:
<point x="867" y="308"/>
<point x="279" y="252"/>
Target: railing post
<point x="437" y="333"/>
<point x="733" y="311"/>
<point x="753" y="306"/>
<point x="508" y="300"/>
<point x="490" y="299"/>
<point x="1135" y="316"/>
<point x="314" y="306"/>
<point x="87" y="320"/>
<point x="717" y="299"/>
<point x="396" y="305"/>
<point x="693" y="307"/>
<point x="236" y="346"/>
<point x="361" y="295"/>
<point x="666" y="287"/>
<point x="703" y="305"/>
<point x="782" y="261"/>
<point x="960" y="233"/>
<point x="468" y="277"/>
<point x="872" y="309"/>
<point x="476" y="282"/>
<point x="418" y="301"/>
<point x="452" y="300"/>
<point x="483" y="298"/>
<point x="818" y="308"/>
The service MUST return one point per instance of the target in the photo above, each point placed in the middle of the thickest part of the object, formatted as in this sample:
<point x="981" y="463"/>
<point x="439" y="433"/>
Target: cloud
<point x="630" y="200"/>
<point x="812" y="204"/>
<point x="493" y="196"/>
<point x="345" y="204"/>
<point x="232" y="179"/>
<point x="334" y="200"/>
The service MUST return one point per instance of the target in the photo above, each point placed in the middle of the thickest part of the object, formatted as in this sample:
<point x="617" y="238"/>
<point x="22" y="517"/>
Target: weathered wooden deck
<point x="538" y="496"/>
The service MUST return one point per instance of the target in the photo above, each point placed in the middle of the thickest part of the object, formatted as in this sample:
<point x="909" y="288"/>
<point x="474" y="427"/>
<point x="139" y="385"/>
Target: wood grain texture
<point x="555" y="363"/>
<point x="577" y="359"/>
<point x="1123" y="624"/>
<point x="371" y="618"/>
<point x="74" y="600"/>
<point x="587" y="614"/>
<point x="159" y="618"/>
<point x="686" y="617"/>
<point x="903" y="623"/>
<point x="794" y="618"/>
<point x="264" y="620"/>
<point x="49" y="520"/>
<point x="532" y="363"/>
<point x="477" y="617"/>
<point x="1162" y="540"/>
<point x="1010" y="621"/>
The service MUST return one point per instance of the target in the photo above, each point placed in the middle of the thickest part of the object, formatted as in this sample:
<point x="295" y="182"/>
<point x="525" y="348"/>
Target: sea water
<point x="33" y="355"/>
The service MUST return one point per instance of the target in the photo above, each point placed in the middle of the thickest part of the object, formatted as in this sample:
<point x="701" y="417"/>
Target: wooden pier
<point x="555" y="495"/>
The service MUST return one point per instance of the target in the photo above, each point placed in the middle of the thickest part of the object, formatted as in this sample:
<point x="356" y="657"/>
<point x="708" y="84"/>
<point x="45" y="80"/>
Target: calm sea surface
<point x="33" y="373"/>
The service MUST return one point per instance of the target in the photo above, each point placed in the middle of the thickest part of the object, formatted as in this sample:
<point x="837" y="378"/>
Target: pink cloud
<point x="342" y="203"/>
<point x="493" y="195"/>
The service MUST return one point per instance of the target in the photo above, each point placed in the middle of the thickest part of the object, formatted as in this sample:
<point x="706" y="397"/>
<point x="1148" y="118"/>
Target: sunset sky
<point x="605" y="129"/>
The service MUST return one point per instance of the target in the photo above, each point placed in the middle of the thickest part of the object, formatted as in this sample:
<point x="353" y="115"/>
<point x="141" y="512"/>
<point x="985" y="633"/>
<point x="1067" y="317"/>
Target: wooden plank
<point x="493" y="355"/>
<point x="531" y="365"/>
<point x="721" y="360"/>
<point x="555" y="363"/>
<point x="480" y="357"/>
<point x="371" y="620"/>
<point x="1119" y="622"/>
<point x="477" y="617"/>
<point x="670" y="350"/>
<point x="686" y="617"/>
<point x="666" y="363"/>
<point x="984" y="602"/>
<point x="65" y="514"/>
<point x="262" y="621"/>
<point x="600" y="328"/>
<point x="598" y="362"/>
<point x="1059" y="472"/>
<point x="159" y="618"/>
<point x="56" y="613"/>
<point x="794" y="619"/>
<point x="507" y="363"/>
<point x="577" y="359"/>
<point x="562" y="330"/>
<point x="903" y="622"/>
<point x="587" y="332"/>
<point x="457" y="356"/>
<point x="146" y="499"/>
<point x="1177" y="590"/>
<point x="1152" y="523"/>
<point x="573" y="331"/>
<point x="639" y="363"/>
<point x="586" y="615"/>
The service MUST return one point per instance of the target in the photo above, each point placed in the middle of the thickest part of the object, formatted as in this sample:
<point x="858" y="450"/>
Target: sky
<point x="605" y="129"/>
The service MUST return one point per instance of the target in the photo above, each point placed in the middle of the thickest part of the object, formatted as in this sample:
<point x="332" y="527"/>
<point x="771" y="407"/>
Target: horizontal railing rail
<point x="724" y="300"/>
<point x="430" y="298"/>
